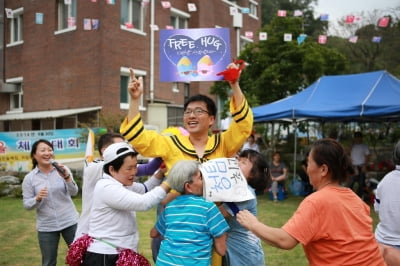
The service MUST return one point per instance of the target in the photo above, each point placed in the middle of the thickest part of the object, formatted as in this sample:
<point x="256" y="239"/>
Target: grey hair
<point x="182" y="172"/>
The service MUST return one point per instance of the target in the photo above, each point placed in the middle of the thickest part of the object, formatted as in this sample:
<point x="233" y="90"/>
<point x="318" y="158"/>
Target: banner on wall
<point x="223" y="181"/>
<point x="15" y="147"/>
<point x="194" y="54"/>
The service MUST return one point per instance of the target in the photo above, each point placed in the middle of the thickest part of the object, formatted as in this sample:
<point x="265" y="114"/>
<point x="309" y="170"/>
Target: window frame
<point x="253" y="6"/>
<point x="124" y="72"/>
<point x="138" y="30"/>
<point x="19" y="93"/>
<point x="16" y="27"/>
<point x="71" y="12"/>
<point x="178" y="15"/>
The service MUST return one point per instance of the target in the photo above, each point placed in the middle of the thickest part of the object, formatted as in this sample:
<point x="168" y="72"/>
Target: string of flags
<point x="93" y="24"/>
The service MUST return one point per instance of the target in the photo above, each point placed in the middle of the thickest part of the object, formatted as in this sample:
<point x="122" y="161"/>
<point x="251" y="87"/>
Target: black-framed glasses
<point x="196" y="112"/>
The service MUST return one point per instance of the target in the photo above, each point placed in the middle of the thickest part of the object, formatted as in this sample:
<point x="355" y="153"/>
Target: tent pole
<point x="295" y="147"/>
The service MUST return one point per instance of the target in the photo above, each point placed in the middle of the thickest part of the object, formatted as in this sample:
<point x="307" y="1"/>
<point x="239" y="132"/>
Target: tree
<point x="277" y="68"/>
<point x="366" y="55"/>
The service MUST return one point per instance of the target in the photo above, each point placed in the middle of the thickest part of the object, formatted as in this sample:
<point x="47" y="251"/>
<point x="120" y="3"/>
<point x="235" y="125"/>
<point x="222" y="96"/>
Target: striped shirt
<point x="189" y="224"/>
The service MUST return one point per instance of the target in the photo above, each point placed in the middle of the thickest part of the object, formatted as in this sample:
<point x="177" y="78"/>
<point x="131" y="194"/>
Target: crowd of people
<point x="332" y="224"/>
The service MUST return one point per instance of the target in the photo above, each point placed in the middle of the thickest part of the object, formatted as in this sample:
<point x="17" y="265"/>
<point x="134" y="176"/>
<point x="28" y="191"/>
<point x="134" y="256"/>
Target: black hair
<point x="119" y="161"/>
<point x="259" y="178"/>
<point x="34" y="149"/>
<point x="396" y="154"/>
<point x="211" y="107"/>
<point x="106" y="140"/>
<point x="331" y="153"/>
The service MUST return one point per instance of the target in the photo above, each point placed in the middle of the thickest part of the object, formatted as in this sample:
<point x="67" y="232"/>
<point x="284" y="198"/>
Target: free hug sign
<point x="193" y="54"/>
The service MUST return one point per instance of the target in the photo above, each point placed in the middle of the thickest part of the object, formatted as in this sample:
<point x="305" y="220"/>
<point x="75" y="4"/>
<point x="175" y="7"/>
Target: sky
<point x="341" y="8"/>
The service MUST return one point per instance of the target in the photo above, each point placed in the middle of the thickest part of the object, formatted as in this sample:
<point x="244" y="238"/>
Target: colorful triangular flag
<point x="383" y="22"/>
<point x="301" y="38"/>
<point x="166" y="4"/>
<point x="192" y="7"/>
<point x="324" y="17"/>
<point x="322" y="39"/>
<point x="263" y="36"/>
<point x="281" y="13"/>
<point x="349" y="19"/>
<point x="376" y="39"/>
<point x="287" y="37"/>
<point x="298" y="13"/>
<point x="353" y="39"/>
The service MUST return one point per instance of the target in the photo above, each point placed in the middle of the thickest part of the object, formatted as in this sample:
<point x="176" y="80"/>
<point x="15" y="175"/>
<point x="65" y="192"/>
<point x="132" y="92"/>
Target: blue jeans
<point x="48" y="242"/>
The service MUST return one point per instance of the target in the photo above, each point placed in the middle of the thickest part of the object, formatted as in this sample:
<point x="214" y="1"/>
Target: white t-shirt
<point x="358" y="153"/>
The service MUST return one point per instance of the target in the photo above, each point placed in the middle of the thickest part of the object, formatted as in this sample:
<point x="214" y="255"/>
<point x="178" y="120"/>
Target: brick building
<point x="56" y="74"/>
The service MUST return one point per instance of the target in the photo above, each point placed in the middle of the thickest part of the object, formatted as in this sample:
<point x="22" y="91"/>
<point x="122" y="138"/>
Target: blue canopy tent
<point x="372" y="96"/>
<point x="357" y="97"/>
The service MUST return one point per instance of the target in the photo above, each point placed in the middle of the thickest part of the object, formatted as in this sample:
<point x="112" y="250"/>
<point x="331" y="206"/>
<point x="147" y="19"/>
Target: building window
<point x="17" y="97"/>
<point x="66" y="16"/>
<point x="132" y="15"/>
<point x="124" y="95"/>
<point x="243" y="41"/>
<point x="253" y="8"/>
<point x="16" y="26"/>
<point x="179" y="19"/>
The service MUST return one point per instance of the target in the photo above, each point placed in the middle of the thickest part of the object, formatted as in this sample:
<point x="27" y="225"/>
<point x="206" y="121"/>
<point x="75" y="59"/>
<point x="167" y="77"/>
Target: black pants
<point x="91" y="259"/>
<point x="360" y="180"/>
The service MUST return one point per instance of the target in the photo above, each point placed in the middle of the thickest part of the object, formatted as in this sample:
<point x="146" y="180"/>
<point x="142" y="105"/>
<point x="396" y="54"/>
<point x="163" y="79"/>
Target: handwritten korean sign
<point x="224" y="182"/>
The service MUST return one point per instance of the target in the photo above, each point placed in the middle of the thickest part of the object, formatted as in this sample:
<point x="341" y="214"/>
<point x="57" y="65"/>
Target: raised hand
<point x="135" y="86"/>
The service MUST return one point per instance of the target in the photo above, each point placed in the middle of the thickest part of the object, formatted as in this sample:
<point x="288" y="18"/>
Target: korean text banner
<point x="15" y="147"/>
<point x="194" y="54"/>
<point x="223" y="181"/>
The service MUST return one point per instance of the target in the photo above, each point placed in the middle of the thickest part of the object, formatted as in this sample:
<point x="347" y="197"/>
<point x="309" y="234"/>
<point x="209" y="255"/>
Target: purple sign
<point x="194" y="54"/>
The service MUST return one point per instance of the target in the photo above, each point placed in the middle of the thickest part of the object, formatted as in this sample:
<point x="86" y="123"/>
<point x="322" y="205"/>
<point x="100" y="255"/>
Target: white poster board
<point x="224" y="182"/>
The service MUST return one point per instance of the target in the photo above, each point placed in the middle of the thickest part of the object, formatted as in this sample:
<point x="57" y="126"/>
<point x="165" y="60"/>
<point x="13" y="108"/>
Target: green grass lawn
<point x="19" y="244"/>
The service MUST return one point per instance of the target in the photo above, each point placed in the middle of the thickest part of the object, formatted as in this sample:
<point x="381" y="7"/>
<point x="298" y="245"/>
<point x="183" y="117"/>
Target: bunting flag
<point x="376" y="39"/>
<point x="39" y="18"/>
<point x="245" y="10"/>
<point x="353" y="39"/>
<point x="166" y="4"/>
<point x="324" y="17"/>
<point x="87" y="24"/>
<point x="154" y="27"/>
<point x="145" y="2"/>
<point x="89" y="153"/>
<point x="384" y="22"/>
<point x="129" y="25"/>
<point x="169" y="27"/>
<point x="249" y="34"/>
<point x="94" y="1"/>
<point x="110" y="2"/>
<point x="281" y="13"/>
<point x="71" y="22"/>
<point x="192" y="7"/>
<point x="95" y="24"/>
<point x="349" y="19"/>
<point x="233" y="10"/>
<point x="287" y="37"/>
<point x="301" y="38"/>
<point x="9" y="13"/>
<point x="263" y="36"/>
<point x="322" y="39"/>
<point x="298" y="13"/>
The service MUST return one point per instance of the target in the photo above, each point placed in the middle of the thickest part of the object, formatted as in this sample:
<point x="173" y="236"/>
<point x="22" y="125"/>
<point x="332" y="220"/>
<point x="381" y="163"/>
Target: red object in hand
<point x="232" y="74"/>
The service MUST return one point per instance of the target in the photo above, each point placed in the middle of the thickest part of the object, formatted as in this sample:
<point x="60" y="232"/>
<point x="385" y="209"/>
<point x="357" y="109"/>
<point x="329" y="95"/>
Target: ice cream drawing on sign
<point x="223" y="181"/>
<point x="193" y="54"/>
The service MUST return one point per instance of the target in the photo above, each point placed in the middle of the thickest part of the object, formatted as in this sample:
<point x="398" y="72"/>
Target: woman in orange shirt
<point x="333" y="224"/>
